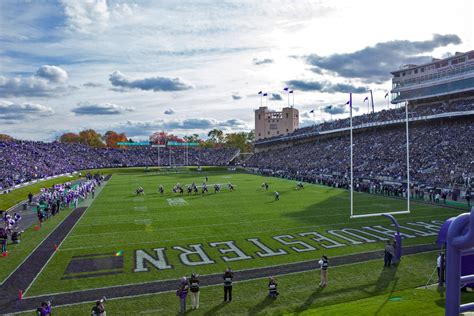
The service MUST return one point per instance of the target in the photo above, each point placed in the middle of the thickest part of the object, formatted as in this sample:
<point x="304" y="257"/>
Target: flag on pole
<point x="291" y="91"/>
<point x="312" y="111"/>
<point x="265" y="94"/>
<point x="260" y="92"/>
<point x="348" y="102"/>
<point x="386" y="95"/>
<point x="285" y="89"/>
<point x="366" y="99"/>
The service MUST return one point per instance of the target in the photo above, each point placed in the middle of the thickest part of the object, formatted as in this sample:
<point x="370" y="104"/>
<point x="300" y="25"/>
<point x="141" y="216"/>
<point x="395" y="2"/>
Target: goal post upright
<point x="352" y="163"/>
<point x="408" y="157"/>
<point x="408" y="193"/>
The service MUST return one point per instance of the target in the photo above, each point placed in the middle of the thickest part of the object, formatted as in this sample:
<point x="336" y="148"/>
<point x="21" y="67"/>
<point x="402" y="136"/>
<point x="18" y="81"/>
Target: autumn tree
<point x="111" y="138"/>
<point x="163" y="138"/>
<point x="70" y="138"/>
<point x="241" y="140"/>
<point x="5" y="138"/>
<point x="91" y="137"/>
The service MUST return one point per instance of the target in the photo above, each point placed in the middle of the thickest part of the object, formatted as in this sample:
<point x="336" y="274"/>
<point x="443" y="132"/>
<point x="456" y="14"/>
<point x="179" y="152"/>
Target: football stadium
<point x="358" y="204"/>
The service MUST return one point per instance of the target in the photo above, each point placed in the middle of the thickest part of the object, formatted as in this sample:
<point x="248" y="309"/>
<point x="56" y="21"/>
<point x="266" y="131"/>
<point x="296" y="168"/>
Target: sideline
<point x="148" y="288"/>
<point x="27" y="272"/>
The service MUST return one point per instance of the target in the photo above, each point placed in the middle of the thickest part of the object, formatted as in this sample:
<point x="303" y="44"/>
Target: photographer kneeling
<point x="99" y="308"/>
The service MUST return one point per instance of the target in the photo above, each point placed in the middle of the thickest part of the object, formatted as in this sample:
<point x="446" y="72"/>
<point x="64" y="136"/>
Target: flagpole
<point x="288" y="93"/>
<point x="352" y="162"/>
<point x="293" y="93"/>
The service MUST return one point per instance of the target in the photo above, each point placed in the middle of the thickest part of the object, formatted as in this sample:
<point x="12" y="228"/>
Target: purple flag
<point x="260" y="92"/>
<point x="386" y="95"/>
<point x="366" y="98"/>
<point x="291" y="91"/>
<point x="265" y="94"/>
<point x="286" y="89"/>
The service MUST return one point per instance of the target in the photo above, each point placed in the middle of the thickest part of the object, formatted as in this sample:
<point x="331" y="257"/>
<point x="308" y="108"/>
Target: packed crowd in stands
<point x="23" y="161"/>
<point x="389" y="115"/>
<point x="441" y="155"/>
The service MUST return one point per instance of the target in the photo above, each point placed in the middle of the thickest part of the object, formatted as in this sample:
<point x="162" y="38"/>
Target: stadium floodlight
<point x="407" y="211"/>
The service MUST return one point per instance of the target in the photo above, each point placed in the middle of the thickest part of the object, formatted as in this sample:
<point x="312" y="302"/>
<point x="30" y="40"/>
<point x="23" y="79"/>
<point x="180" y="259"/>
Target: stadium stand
<point x="442" y="147"/>
<point x="24" y="161"/>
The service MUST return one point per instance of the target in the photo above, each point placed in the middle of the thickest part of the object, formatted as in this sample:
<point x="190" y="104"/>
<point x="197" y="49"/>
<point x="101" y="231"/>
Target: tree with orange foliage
<point x="6" y="138"/>
<point x="111" y="138"/>
<point x="163" y="138"/>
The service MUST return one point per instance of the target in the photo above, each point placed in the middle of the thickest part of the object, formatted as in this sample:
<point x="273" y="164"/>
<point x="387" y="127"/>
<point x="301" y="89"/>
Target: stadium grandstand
<point x="24" y="161"/>
<point x="440" y="100"/>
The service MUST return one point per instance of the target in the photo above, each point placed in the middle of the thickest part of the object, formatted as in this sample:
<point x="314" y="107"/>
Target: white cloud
<point x="14" y="112"/>
<point x="86" y="16"/>
<point x="86" y="108"/>
<point x="150" y="83"/>
<point x="52" y="73"/>
<point x="48" y="81"/>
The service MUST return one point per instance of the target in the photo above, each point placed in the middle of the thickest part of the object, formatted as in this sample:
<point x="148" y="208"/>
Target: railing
<point x="444" y="74"/>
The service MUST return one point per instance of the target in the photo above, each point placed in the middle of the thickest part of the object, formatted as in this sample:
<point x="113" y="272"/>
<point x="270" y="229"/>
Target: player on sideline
<point x="231" y="187"/>
<point x="299" y="185"/>
<point x="277" y="196"/>
<point x="196" y="189"/>
<point x="265" y="185"/>
<point x="189" y="189"/>
<point x="161" y="190"/>
<point x="217" y="188"/>
<point x="204" y="188"/>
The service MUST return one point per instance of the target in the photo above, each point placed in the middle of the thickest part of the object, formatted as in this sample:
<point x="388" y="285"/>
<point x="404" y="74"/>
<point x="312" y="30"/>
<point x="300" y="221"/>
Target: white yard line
<point x="237" y="234"/>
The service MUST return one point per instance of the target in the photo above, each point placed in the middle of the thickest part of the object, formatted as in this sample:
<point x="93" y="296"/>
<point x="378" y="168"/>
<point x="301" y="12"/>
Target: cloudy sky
<point x="190" y="66"/>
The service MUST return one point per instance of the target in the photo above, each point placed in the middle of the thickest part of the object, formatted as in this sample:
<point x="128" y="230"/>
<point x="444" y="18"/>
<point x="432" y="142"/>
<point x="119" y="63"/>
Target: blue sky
<point x="189" y="66"/>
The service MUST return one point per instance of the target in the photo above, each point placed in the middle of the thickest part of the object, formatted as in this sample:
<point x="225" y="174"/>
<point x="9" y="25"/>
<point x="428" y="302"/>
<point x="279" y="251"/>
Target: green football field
<point x="126" y="239"/>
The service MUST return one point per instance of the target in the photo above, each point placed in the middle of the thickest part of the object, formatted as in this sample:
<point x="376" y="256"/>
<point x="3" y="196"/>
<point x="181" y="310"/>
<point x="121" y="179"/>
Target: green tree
<point x="70" y="138"/>
<point x="216" y="136"/>
<point x="91" y="137"/>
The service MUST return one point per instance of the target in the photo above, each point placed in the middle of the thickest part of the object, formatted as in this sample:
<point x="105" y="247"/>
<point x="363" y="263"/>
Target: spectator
<point x="228" y="280"/>
<point x="388" y="254"/>
<point x="182" y="293"/>
<point x="194" y="288"/>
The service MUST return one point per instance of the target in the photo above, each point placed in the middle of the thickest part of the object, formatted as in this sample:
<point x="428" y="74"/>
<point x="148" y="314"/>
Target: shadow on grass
<point x="309" y="300"/>
<point x="215" y="309"/>
<point x="261" y="306"/>
<point x="386" y="276"/>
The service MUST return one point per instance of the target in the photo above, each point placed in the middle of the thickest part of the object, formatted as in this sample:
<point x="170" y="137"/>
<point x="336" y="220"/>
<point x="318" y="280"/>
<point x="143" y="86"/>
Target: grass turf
<point x="358" y="289"/>
<point x="120" y="221"/>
